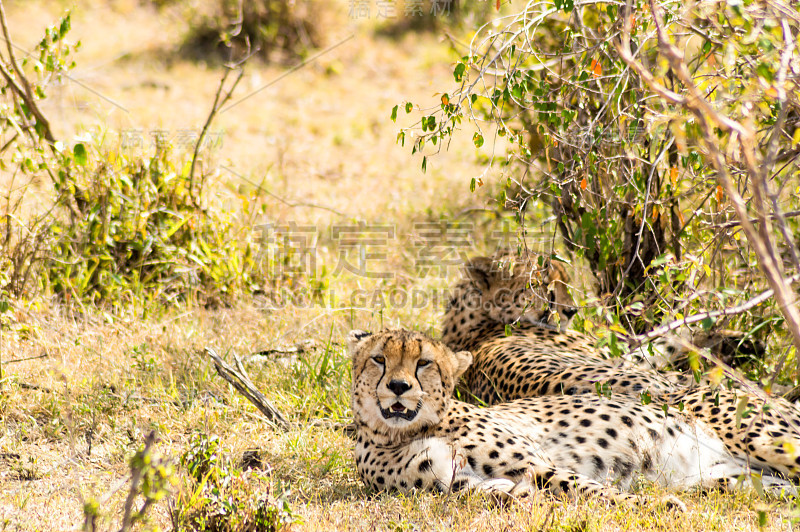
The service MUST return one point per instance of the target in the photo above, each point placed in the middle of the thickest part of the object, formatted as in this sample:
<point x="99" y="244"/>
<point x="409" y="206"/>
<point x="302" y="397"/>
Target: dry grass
<point x="321" y="135"/>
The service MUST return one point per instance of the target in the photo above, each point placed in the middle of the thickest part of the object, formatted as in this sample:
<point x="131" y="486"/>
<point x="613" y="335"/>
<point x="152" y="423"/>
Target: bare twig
<point x="734" y="223"/>
<point x="638" y="340"/>
<point x="286" y="202"/>
<point x="243" y="384"/>
<point x="136" y="478"/>
<point x="24" y="92"/>
<point x="219" y="102"/>
<point x="43" y="355"/>
<point x="36" y="387"/>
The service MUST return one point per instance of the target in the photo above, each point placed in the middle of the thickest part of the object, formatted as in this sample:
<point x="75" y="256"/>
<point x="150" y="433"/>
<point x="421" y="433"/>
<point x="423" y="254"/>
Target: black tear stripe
<point x="416" y="370"/>
<point x="383" y="374"/>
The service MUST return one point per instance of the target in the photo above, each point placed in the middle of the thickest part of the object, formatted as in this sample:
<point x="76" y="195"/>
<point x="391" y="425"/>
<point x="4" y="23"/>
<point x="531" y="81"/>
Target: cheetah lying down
<point x="502" y="312"/>
<point x="412" y="434"/>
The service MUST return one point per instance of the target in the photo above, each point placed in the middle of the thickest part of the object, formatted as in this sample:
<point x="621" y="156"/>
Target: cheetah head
<point x="527" y="287"/>
<point x="402" y="380"/>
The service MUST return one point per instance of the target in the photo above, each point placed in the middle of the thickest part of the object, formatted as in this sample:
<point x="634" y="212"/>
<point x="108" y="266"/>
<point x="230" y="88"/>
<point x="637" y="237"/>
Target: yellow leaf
<point x="707" y="270"/>
<point x="719" y="193"/>
<point x="789" y="448"/>
<point x="673" y="176"/>
<point x="715" y="375"/>
<point x="741" y="407"/>
<point x="618" y="329"/>
<point x="584" y="184"/>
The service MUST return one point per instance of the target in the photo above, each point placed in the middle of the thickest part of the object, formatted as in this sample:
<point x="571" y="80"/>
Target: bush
<point x="642" y="180"/>
<point x="103" y="227"/>
<point x="276" y="29"/>
<point x="218" y="497"/>
<point x="140" y="234"/>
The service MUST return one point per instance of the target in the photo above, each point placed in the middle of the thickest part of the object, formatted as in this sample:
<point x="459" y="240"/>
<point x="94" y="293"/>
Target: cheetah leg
<point x="565" y="481"/>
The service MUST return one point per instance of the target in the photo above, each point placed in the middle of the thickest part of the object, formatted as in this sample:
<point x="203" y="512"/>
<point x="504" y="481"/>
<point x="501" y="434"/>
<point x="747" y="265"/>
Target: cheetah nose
<point x="569" y="312"/>
<point x="398" y="387"/>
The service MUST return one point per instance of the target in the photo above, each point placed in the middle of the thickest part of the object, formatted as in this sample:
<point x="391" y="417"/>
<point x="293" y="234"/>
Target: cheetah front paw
<point x="499" y="490"/>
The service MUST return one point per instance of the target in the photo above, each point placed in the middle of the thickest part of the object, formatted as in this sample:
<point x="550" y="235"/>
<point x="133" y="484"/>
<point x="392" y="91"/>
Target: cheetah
<point x="412" y="434"/>
<point x="537" y="360"/>
<point x="502" y="313"/>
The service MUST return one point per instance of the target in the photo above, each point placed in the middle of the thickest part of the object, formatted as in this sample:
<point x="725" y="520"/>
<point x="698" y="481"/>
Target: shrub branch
<point x="708" y="118"/>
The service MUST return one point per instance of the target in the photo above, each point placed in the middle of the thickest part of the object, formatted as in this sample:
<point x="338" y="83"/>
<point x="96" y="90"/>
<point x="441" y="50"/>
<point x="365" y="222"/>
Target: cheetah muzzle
<point x="398" y="410"/>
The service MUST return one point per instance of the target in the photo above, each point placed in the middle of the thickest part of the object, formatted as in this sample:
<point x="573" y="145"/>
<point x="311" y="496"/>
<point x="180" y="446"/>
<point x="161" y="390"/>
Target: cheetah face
<point x="522" y="288"/>
<point x="402" y="380"/>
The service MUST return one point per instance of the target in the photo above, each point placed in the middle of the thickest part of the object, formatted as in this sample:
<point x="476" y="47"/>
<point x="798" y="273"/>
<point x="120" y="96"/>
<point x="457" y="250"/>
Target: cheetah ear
<point x="463" y="361"/>
<point x="479" y="271"/>
<point x="354" y="338"/>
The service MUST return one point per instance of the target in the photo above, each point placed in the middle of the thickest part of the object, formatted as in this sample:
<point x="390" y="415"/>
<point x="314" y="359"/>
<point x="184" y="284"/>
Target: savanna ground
<point x="317" y="149"/>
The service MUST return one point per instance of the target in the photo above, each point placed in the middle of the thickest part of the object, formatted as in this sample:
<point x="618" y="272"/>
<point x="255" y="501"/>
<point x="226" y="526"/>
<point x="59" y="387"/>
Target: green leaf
<point x="477" y="139"/>
<point x="765" y="71"/>
<point x="424" y="164"/>
<point x="79" y="152"/>
<point x="646" y="398"/>
<point x="409" y="107"/>
<point x="459" y="71"/>
<point x="394" y="114"/>
<point x="759" y="487"/>
<point x="64" y="28"/>
<point x="472" y="184"/>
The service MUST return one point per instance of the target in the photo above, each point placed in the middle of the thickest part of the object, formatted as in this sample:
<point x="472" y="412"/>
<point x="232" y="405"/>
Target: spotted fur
<point x="412" y="434"/>
<point x="502" y="312"/>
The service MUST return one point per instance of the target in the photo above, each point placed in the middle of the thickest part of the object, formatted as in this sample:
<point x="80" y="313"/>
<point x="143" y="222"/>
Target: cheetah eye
<point x="379" y="360"/>
<point x="422" y="363"/>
